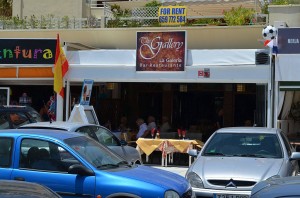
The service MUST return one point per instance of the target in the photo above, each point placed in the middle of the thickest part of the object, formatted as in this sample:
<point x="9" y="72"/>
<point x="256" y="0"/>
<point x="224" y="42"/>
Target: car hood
<point x="238" y="168"/>
<point x="165" y="179"/>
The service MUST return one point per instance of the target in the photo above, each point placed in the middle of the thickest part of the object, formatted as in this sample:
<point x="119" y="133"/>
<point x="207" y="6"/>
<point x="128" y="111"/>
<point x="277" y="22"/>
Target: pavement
<point x="181" y="170"/>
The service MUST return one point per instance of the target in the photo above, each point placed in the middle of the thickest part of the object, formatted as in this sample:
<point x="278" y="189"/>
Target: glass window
<point x="100" y="134"/>
<point x="18" y="119"/>
<point x="244" y="145"/>
<point x="106" y="137"/>
<point x="34" y="115"/>
<point x="4" y="123"/>
<point x="46" y="156"/>
<point x="5" y="151"/>
<point x="96" y="154"/>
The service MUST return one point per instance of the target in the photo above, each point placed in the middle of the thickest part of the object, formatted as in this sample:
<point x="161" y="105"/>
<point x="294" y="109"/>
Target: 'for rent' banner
<point x="172" y="15"/>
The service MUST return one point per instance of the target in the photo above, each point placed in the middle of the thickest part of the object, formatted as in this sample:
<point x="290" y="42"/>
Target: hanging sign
<point x="161" y="51"/>
<point x="172" y="15"/>
<point x="288" y="40"/>
<point x="86" y="92"/>
<point x="27" y="51"/>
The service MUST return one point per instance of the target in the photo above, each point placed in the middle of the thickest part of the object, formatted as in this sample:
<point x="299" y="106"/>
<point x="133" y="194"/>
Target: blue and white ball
<point x="269" y="32"/>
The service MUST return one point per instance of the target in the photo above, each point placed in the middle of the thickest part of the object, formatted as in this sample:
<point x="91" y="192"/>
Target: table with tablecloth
<point x="167" y="147"/>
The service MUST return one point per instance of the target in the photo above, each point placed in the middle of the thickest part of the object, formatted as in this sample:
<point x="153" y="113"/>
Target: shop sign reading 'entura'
<point x="161" y="51"/>
<point x="27" y="51"/>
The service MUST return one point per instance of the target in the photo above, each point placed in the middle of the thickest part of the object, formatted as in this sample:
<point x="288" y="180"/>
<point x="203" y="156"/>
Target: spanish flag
<point x="61" y="67"/>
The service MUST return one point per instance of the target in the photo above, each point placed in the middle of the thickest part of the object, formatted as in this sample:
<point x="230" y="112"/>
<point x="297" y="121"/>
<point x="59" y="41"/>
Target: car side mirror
<point x="193" y="152"/>
<point x="80" y="170"/>
<point x="123" y="142"/>
<point x="295" y="156"/>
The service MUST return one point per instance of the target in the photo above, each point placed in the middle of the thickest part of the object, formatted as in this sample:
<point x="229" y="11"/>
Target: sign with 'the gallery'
<point x="161" y="51"/>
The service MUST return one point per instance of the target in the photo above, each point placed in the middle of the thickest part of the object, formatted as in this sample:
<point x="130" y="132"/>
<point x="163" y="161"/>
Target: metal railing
<point x="50" y="23"/>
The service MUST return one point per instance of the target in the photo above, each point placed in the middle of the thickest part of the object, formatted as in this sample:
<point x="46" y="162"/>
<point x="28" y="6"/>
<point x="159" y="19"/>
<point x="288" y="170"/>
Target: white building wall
<point x="59" y="8"/>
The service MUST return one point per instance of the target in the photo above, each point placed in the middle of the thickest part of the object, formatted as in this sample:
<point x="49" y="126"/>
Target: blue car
<point x="75" y="165"/>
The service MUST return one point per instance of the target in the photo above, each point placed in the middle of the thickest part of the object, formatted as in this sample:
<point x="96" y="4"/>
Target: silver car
<point x="234" y="159"/>
<point x="277" y="187"/>
<point x="99" y="133"/>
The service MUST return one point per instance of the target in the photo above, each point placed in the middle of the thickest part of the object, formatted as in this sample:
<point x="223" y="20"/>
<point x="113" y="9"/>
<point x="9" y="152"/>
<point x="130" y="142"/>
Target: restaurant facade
<point x="211" y="76"/>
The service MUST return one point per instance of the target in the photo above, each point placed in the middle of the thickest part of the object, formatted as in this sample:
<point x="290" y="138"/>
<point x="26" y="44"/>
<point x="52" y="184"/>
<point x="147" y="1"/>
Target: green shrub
<point x="239" y="16"/>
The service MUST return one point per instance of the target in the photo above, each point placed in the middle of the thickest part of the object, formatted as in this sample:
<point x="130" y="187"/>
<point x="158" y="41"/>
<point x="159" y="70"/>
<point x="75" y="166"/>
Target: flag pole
<point x="59" y="107"/>
<point x="61" y="67"/>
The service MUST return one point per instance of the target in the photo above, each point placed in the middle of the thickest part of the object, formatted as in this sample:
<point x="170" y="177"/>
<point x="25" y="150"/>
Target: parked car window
<point x="233" y="144"/>
<point x="18" y="119"/>
<point x="5" y="151"/>
<point x="4" y="124"/>
<point x="100" y="134"/>
<point x="86" y="130"/>
<point x="44" y="155"/>
<point x="15" y="116"/>
<point x="34" y="115"/>
<point x="286" y="143"/>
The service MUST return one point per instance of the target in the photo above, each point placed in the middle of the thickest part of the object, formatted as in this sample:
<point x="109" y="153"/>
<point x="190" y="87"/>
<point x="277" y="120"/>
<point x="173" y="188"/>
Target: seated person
<point x="43" y="161"/>
<point x="142" y="128"/>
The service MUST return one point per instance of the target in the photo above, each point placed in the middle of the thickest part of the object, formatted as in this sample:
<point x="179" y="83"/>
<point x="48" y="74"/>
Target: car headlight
<point x="194" y="180"/>
<point x="171" y="194"/>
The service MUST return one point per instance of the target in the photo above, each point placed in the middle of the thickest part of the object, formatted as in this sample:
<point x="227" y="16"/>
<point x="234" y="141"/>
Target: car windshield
<point x="244" y="145"/>
<point x="100" y="134"/>
<point x="95" y="153"/>
<point x="106" y="137"/>
<point x="35" y="116"/>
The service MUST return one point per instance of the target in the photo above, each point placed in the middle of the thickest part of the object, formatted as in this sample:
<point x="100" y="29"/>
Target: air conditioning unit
<point x="262" y="57"/>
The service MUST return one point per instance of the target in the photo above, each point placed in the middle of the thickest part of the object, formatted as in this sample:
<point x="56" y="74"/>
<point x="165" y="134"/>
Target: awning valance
<point x="289" y="86"/>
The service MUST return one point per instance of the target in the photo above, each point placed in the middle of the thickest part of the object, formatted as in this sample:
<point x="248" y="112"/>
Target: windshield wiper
<point x="124" y="163"/>
<point x="108" y="166"/>
<point x="214" y="154"/>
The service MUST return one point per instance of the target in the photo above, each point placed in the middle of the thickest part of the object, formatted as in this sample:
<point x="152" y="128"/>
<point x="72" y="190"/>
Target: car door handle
<point x="19" y="178"/>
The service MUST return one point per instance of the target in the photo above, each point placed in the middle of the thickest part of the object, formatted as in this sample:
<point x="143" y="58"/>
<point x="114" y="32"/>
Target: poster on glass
<point x="86" y="92"/>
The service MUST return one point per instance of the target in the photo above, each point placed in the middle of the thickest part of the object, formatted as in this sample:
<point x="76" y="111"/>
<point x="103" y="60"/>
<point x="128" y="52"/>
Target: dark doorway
<point x="245" y="105"/>
<point x="150" y="104"/>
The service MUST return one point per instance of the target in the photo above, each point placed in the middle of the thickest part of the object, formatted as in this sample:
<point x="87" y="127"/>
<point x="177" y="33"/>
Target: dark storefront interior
<point x="191" y="106"/>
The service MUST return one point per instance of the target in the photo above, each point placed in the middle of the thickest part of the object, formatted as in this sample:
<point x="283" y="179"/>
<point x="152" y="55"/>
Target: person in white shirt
<point x="151" y="123"/>
<point x="142" y="128"/>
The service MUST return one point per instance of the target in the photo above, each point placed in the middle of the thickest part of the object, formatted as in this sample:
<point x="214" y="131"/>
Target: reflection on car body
<point x="18" y="189"/>
<point x="277" y="187"/>
<point x="234" y="159"/>
<point x="75" y="165"/>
